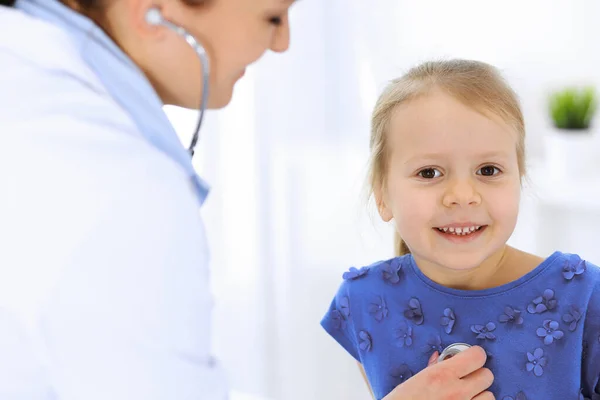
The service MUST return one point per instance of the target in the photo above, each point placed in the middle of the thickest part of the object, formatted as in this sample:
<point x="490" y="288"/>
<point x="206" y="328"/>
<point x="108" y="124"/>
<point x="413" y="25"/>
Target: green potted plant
<point x="573" y="109"/>
<point x="571" y="149"/>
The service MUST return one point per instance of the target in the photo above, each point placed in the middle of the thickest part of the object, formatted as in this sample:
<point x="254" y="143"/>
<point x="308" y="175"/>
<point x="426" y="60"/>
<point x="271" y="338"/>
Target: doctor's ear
<point x="382" y="206"/>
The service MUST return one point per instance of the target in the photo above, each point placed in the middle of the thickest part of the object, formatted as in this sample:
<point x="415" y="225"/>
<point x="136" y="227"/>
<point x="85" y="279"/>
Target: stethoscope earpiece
<point x="154" y="16"/>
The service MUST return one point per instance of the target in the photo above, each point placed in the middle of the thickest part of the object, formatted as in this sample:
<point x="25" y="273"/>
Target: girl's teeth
<point x="460" y="231"/>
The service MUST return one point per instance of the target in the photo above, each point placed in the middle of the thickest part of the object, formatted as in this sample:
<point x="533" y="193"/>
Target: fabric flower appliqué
<point x="572" y="318"/>
<point x="484" y="332"/>
<point x="338" y="320"/>
<point x="414" y="311"/>
<point x="536" y="362"/>
<point x="433" y="344"/>
<point x="543" y="303"/>
<point x="512" y="316"/>
<point x="570" y="271"/>
<point x="354" y="273"/>
<point x="364" y="341"/>
<point x="519" y="396"/>
<point x="390" y="271"/>
<point x="550" y="331"/>
<point x="345" y="307"/>
<point x="378" y="308"/>
<point x="490" y="356"/>
<point x="583" y="397"/>
<point x="595" y="395"/>
<point x="402" y="373"/>
<point x="404" y="335"/>
<point x="449" y="319"/>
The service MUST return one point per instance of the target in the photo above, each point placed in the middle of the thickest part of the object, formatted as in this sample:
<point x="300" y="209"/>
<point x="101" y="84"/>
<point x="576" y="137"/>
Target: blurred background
<point x="287" y="162"/>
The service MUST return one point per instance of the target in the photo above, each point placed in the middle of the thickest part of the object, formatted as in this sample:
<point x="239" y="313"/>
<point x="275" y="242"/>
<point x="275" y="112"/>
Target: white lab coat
<point x="104" y="289"/>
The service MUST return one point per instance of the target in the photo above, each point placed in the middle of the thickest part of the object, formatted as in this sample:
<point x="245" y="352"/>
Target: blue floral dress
<point x="541" y="332"/>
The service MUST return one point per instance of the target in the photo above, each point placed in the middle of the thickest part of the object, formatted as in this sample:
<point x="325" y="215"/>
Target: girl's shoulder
<point x="377" y="275"/>
<point x="574" y="267"/>
<point x="577" y="279"/>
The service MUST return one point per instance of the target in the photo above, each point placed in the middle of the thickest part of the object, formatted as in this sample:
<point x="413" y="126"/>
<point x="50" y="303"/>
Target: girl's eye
<point x="275" y="21"/>
<point x="429" y="173"/>
<point x="488" y="170"/>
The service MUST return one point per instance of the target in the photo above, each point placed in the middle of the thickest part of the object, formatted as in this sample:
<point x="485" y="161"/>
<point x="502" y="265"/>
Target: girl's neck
<point x="505" y="266"/>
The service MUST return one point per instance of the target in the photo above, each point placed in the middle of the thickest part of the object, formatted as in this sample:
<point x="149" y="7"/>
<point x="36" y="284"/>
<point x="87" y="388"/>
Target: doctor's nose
<point x="281" y="37"/>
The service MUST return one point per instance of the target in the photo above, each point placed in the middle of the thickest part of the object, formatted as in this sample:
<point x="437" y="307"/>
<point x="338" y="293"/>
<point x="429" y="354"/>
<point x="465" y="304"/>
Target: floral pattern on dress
<point x="449" y="319"/>
<point x="543" y="303"/>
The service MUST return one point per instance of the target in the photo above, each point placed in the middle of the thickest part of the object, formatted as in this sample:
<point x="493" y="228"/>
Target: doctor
<point x="104" y="282"/>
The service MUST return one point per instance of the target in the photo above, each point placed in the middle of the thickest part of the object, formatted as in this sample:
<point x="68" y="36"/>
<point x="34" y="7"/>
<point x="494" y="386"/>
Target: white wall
<point x="538" y="44"/>
<point x="287" y="160"/>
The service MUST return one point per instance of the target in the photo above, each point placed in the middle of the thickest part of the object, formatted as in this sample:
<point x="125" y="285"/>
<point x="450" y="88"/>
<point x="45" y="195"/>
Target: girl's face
<point x="235" y="33"/>
<point x="453" y="183"/>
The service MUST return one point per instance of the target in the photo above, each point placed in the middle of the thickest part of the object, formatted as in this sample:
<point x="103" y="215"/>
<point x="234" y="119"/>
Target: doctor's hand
<point x="461" y="377"/>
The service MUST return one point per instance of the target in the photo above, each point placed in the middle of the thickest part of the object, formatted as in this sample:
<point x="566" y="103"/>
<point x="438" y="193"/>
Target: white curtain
<point x="287" y="161"/>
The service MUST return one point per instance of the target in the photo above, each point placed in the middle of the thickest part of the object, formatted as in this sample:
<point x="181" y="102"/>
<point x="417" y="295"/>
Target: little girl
<point x="447" y="146"/>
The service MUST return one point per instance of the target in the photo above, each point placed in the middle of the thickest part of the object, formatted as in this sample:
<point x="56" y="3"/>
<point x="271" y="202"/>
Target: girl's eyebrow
<point x="493" y="154"/>
<point x="434" y="156"/>
<point x="427" y="155"/>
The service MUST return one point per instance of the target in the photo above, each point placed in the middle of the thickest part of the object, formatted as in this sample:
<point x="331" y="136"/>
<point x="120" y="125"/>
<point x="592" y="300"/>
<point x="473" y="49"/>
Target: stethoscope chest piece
<point x="453" y="350"/>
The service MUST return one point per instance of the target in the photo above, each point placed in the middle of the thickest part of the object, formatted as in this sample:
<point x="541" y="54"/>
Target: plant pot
<point x="572" y="154"/>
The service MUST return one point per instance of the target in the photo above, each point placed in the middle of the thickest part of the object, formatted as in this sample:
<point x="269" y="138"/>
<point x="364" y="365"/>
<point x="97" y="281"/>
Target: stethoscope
<point x="155" y="17"/>
<point x="452" y="350"/>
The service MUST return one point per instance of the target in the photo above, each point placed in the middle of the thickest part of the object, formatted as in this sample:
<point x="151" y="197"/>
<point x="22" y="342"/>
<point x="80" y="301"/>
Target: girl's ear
<point x="382" y="207"/>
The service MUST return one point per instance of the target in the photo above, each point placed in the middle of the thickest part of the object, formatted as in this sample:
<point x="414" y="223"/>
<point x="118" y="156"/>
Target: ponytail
<point x="7" y="3"/>
<point x="400" y="247"/>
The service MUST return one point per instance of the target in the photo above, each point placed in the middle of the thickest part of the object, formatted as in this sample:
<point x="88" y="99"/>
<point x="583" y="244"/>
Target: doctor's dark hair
<point x="87" y="5"/>
<point x="475" y="84"/>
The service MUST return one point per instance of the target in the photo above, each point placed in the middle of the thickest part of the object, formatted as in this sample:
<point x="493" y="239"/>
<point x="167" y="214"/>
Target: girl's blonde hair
<point x="475" y="84"/>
